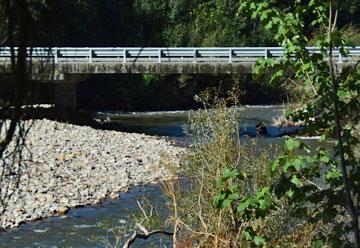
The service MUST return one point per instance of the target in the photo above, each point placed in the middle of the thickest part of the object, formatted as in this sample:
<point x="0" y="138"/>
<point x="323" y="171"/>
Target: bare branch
<point x="142" y="210"/>
<point x="145" y="235"/>
<point x="143" y="232"/>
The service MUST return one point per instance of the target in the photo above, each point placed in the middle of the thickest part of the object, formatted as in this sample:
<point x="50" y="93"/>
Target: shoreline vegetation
<point x="215" y="161"/>
<point x="227" y="175"/>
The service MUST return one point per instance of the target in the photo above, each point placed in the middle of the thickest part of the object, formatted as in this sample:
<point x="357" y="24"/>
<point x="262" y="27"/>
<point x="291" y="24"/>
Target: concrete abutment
<point x="65" y="95"/>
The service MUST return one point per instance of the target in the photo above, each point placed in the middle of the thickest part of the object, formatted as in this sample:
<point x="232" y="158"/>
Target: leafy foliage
<point x="312" y="179"/>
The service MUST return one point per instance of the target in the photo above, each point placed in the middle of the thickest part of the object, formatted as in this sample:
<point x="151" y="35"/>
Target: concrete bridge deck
<point x="83" y="60"/>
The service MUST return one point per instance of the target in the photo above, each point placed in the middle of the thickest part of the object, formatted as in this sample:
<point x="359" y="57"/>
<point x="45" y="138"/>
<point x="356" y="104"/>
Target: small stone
<point x="63" y="210"/>
<point x="122" y="221"/>
<point x="114" y="196"/>
<point x="64" y="201"/>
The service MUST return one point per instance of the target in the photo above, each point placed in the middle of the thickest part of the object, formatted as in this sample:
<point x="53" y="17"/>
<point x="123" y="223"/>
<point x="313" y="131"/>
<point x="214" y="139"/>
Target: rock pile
<point x="68" y="166"/>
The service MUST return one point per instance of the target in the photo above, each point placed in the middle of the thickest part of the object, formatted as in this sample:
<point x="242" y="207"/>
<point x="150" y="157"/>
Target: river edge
<point x="68" y="153"/>
<point x="68" y="166"/>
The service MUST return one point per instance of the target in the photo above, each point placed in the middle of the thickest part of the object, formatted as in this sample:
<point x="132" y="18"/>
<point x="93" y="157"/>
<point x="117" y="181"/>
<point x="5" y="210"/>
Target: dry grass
<point x="195" y="221"/>
<point x="214" y="133"/>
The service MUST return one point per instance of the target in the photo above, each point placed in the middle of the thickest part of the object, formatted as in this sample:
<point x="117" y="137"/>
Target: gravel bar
<point x="69" y="166"/>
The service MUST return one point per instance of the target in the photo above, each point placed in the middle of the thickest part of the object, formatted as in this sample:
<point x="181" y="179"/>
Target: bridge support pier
<point x="65" y="96"/>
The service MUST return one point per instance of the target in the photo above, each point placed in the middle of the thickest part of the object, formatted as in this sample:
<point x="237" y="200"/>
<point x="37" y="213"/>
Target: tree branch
<point x="345" y="178"/>
<point x="144" y="235"/>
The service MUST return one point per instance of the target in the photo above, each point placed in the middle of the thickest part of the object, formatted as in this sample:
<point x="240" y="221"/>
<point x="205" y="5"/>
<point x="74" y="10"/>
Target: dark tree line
<point x="154" y="23"/>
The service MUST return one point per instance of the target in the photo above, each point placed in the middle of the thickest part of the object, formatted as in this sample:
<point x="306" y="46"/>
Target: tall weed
<point x="217" y="148"/>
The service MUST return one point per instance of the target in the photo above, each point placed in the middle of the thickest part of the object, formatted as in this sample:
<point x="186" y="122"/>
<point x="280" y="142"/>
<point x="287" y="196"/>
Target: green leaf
<point x="343" y="93"/>
<point x="226" y="173"/>
<point x="298" y="163"/>
<point x="219" y="182"/>
<point x="325" y="159"/>
<point x="291" y="144"/>
<point x="287" y="165"/>
<point x="259" y="240"/>
<point x="265" y="204"/>
<point x="264" y="191"/>
<point x="296" y="181"/>
<point x="234" y="196"/>
<point x="226" y="204"/>
<point x="334" y="173"/>
<point x="243" y="205"/>
<point x="275" y="165"/>
<point x="312" y="160"/>
<point x="277" y="75"/>
<point x="264" y="15"/>
<point x="218" y="199"/>
<point x="318" y="243"/>
<point x="247" y="235"/>
<point x="290" y="193"/>
<point x="269" y="26"/>
<point x="234" y="188"/>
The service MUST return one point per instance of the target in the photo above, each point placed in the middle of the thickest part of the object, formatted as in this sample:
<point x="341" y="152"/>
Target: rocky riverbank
<point x="68" y="166"/>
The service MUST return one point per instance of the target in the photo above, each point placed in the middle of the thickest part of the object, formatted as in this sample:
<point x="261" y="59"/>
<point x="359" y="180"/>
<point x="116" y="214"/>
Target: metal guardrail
<point x="163" y="54"/>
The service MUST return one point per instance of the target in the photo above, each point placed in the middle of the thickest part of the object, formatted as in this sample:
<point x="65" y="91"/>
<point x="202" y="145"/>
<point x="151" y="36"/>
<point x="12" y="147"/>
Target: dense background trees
<point x="155" y="23"/>
<point x="144" y="23"/>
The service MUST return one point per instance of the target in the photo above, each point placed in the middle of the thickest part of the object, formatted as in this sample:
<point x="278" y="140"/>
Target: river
<point x="92" y="226"/>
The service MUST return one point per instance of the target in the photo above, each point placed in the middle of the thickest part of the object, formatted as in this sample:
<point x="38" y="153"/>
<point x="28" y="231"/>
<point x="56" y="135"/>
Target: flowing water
<point x="170" y="123"/>
<point x="91" y="226"/>
<point x="95" y="225"/>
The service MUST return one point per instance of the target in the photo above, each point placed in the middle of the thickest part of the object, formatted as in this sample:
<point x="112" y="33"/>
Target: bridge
<point x="85" y="60"/>
<point x="70" y="65"/>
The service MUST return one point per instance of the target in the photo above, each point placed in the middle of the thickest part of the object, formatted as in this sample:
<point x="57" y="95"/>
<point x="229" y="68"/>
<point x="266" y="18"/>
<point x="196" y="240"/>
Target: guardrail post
<point x="124" y="57"/>
<point x="230" y="55"/>
<point x="90" y="55"/>
<point x="266" y="54"/>
<point x="159" y="56"/>
<point x="340" y="58"/>
<point x="56" y="55"/>
<point x="195" y="52"/>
